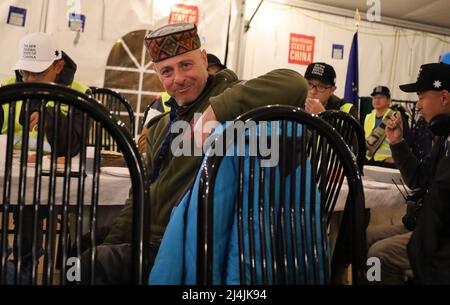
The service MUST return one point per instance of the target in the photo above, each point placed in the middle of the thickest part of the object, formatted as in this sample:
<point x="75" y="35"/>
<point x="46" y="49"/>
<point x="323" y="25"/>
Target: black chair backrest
<point x="147" y="109"/>
<point x="313" y="163"/>
<point x="118" y="106"/>
<point x="68" y="194"/>
<point x="350" y="130"/>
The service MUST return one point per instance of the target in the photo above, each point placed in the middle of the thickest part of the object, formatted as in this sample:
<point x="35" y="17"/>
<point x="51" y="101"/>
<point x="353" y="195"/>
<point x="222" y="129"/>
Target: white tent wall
<point x="106" y="22"/>
<point x="388" y="55"/>
<point x="10" y="35"/>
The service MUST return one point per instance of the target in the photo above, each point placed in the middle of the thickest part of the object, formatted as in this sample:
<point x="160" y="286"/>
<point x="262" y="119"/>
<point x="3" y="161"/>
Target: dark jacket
<point x="417" y="174"/>
<point x="429" y="246"/>
<point x="335" y="103"/>
<point x="229" y="98"/>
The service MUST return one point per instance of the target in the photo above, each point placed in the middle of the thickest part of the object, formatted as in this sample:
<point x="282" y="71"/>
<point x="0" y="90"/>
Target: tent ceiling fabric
<point x="430" y="12"/>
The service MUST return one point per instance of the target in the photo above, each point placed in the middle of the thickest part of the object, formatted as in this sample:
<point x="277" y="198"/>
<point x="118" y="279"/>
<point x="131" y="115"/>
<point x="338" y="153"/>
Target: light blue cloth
<point x="176" y="259"/>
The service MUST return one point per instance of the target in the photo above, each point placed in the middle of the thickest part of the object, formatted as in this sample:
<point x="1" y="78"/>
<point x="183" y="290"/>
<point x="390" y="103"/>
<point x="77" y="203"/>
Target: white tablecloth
<point x="113" y="189"/>
<point x="376" y="194"/>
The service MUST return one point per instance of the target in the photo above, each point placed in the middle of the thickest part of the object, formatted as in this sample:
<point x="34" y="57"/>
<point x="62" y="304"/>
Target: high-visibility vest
<point x="18" y="127"/>
<point x="346" y="107"/>
<point x="384" y="151"/>
<point x="164" y="98"/>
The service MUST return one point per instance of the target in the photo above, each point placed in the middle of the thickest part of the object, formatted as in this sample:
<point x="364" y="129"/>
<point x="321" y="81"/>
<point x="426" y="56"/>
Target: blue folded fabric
<point x="176" y="259"/>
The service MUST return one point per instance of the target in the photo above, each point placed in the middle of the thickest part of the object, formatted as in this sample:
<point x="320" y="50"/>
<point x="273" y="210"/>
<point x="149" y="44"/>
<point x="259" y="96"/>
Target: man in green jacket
<point x="321" y="86"/>
<point x="182" y="69"/>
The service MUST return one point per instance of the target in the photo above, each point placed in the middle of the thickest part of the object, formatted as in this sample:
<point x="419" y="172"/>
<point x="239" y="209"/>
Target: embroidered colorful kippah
<point x="172" y="40"/>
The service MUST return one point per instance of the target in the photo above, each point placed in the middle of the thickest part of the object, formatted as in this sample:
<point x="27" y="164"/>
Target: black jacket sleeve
<point x="429" y="246"/>
<point x="416" y="174"/>
<point x="61" y="134"/>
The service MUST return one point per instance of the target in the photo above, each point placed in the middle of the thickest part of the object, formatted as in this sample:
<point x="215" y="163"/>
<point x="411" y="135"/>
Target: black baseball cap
<point x="213" y="60"/>
<point x="321" y="71"/>
<point x="434" y="76"/>
<point x="382" y="90"/>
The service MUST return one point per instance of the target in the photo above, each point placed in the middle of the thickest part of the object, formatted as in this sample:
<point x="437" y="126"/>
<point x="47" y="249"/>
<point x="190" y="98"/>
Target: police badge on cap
<point x="435" y="76"/>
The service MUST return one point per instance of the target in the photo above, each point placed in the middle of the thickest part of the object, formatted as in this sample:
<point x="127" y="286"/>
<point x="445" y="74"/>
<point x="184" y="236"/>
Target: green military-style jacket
<point x="229" y="98"/>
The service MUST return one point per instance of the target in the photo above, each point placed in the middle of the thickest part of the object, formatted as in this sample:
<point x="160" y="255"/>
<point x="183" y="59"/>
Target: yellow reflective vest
<point x="18" y="127"/>
<point x="384" y="151"/>
<point x="164" y="98"/>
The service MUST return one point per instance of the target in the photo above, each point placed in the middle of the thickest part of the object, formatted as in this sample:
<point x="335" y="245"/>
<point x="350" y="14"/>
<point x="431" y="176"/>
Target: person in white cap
<point x="40" y="60"/>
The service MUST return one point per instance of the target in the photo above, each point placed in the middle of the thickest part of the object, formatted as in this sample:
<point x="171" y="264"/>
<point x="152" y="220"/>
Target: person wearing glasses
<point x="321" y="79"/>
<point x="41" y="61"/>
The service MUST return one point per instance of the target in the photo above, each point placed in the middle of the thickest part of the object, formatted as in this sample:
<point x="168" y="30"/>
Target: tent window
<point x="130" y="72"/>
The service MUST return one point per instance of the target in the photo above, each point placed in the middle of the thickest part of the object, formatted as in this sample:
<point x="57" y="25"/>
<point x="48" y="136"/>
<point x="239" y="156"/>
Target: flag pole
<point x="357" y="21"/>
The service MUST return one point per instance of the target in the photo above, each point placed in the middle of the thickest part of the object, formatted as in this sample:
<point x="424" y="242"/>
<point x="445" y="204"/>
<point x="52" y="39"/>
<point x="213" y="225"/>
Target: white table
<point x="385" y="201"/>
<point x="376" y="194"/>
<point x="113" y="190"/>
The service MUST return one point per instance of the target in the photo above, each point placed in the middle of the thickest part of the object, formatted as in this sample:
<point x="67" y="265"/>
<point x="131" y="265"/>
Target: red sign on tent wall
<point x="183" y="13"/>
<point x="301" y="49"/>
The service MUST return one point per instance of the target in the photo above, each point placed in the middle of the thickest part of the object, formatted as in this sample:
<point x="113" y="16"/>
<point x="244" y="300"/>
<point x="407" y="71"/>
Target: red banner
<point x="183" y="13"/>
<point x="301" y="49"/>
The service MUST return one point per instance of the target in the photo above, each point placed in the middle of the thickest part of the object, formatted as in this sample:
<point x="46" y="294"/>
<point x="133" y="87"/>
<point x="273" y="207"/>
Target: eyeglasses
<point x="35" y="75"/>
<point x="319" y="87"/>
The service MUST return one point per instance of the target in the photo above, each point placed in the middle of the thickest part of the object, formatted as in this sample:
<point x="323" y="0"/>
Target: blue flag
<point x="352" y="81"/>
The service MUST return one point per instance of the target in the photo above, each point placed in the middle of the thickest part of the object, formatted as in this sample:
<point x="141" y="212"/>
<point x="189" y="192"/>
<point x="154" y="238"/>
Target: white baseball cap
<point x="37" y="52"/>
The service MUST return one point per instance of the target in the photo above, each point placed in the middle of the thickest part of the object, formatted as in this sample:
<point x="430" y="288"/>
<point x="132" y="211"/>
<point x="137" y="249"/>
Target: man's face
<point x="46" y="76"/>
<point x="380" y="102"/>
<point x="184" y="76"/>
<point x="432" y="103"/>
<point x="320" y="90"/>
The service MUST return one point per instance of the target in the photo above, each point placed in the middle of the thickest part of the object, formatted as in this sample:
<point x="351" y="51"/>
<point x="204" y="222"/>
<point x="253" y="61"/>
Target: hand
<point x="314" y="106"/>
<point x="204" y="126"/>
<point x="394" y="129"/>
<point x="389" y="160"/>
<point x="34" y="121"/>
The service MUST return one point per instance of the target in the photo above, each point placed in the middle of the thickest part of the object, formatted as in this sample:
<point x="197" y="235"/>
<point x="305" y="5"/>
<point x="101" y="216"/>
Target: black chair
<point x="350" y="130"/>
<point x="66" y="192"/>
<point x="282" y="236"/>
<point x="118" y="106"/>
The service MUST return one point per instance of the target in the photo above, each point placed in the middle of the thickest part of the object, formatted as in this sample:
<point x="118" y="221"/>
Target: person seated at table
<point x="214" y="64"/>
<point x="321" y="79"/>
<point x="378" y="151"/>
<point x="220" y="97"/>
<point x="40" y="60"/>
<point x="421" y="241"/>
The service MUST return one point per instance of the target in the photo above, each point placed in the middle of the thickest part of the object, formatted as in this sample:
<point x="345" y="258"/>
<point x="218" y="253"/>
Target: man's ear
<point x="333" y="89"/>
<point x="204" y="58"/>
<point x="445" y="98"/>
